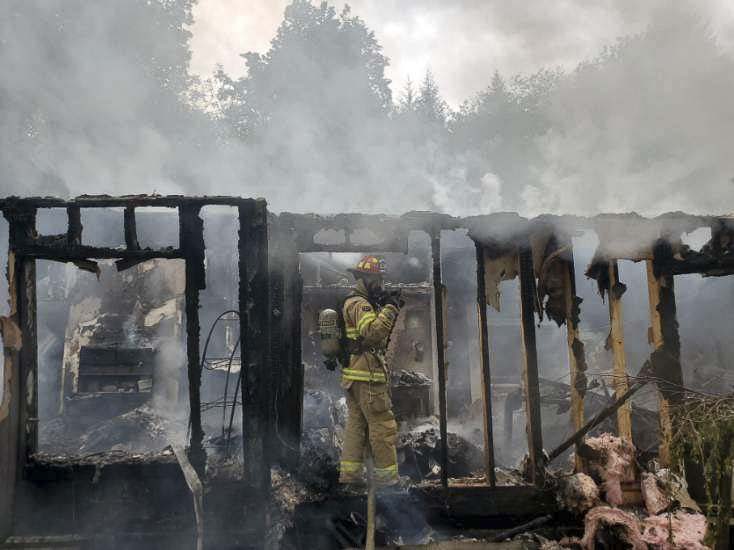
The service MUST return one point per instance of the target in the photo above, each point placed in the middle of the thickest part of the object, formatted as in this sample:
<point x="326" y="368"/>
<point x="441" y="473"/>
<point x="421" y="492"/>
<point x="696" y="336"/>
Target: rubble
<point x="410" y="378"/>
<point x="419" y="453"/>
<point x="662" y="489"/>
<point x="607" y="527"/>
<point x="578" y="493"/>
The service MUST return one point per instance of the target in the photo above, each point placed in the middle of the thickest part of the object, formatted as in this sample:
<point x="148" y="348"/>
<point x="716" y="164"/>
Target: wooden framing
<point x="19" y="408"/>
<point x="576" y="357"/>
<point x="254" y="302"/>
<point x="616" y="336"/>
<point x="266" y="356"/>
<point x="531" y="383"/>
<point x="486" y="372"/>
<point x="664" y="336"/>
<point x="438" y="302"/>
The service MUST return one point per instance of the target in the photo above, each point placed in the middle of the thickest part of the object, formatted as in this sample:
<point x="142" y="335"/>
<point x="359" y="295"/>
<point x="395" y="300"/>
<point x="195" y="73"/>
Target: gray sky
<point x="483" y="35"/>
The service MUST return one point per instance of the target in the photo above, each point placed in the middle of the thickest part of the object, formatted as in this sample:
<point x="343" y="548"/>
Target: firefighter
<point x="369" y="316"/>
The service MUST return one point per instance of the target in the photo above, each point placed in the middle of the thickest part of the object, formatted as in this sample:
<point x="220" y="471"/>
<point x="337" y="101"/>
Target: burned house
<point x="245" y="351"/>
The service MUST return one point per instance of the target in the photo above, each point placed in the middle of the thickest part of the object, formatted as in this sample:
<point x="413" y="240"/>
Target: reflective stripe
<point x="363" y="375"/>
<point x="387" y="472"/>
<point x="366" y="318"/>
<point x="350" y="467"/>
<point x="352" y="333"/>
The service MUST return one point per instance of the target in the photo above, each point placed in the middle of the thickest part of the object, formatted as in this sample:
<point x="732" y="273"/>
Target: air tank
<point x="329" y="332"/>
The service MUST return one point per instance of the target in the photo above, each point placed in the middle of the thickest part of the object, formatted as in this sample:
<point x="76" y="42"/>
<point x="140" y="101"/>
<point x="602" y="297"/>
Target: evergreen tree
<point x="429" y="103"/>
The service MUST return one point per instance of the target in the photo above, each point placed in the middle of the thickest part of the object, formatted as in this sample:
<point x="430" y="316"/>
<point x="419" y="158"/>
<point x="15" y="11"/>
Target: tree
<point x="429" y="104"/>
<point x="407" y="101"/>
<point x="321" y="67"/>
<point x="95" y="96"/>
<point x="314" y="105"/>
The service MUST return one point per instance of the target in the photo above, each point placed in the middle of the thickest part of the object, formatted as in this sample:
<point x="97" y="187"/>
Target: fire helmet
<point x="369" y="265"/>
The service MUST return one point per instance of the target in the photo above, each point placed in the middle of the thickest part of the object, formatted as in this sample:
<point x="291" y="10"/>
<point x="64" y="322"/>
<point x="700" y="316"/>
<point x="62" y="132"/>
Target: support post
<point x="19" y="406"/>
<point x="285" y="350"/>
<point x="254" y="303"/>
<point x="576" y="355"/>
<point x="616" y="334"/>
<point x="292" y="360"/>
<point x="486" y="373"/>
<point x="74" y="229"/>
<point x="131" y="232"/>
<point x="664" y="336"/>
<point x="191" y="239"/>
<point x="438" y="299"/>
<point x="530" y="366"/>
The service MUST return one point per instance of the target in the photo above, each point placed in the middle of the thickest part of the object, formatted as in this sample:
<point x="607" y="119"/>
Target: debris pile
<point x="419" y="453"/>
<point x="665" y="517"/>
<point x="409" y="378"/>
<point x="418" y="446"/>
<point x="136" y="431"/>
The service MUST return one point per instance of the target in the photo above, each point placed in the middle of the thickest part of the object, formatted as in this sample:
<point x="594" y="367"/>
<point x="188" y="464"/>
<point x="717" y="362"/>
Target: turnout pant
<point x="370" y="420"/>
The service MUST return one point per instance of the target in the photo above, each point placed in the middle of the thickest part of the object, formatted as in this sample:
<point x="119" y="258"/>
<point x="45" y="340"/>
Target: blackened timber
<point x="74" y="228"/>
<point x="191" y="239"/>
<point x="530" y="367"/>
<point x="666" y="340"/>
<point x="486" y="373"/>
<point x="286" y="297"/>
<point x="131" y="232"/>
<point x="71" y="253"/>
<point x="576" y="352"/>
<point x="438" y="299"/>
<point x="123" y="201"/>
<point x="24" y="229"/>
<point x="254" y="306"/>
<point x="705" y="264"/>
<point x="16" y="405"/>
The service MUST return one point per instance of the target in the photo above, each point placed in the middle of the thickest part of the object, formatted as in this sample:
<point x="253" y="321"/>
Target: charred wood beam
<point x="530" y="366"/>
<point x="616" y="336"/>
<point x="481" y="502"/>
<point x="22" y="229"/>
<point x="73" y="253"/>
<point x="254" y="304"/>
<point x="75" y="227"/>
<point x="285" y="353"/>
<point x="438" y="304"/>
<point x="191" y="240"/>
<point x="527" y="527"/>
<point x="705" y="264"/>
<point x="123" y="201"/>
<point x="19" y="406"/>
<point x="665" y="339"/>
<point x="576" y="352"/>
<point x="131" y="232"/>
<point x="486" y="372"/>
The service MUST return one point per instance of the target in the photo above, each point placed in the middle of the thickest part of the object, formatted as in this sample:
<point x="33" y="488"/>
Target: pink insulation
<point x="687" y="529"/>
<point x="614" y="465"/>
<point x="624" y="525"/>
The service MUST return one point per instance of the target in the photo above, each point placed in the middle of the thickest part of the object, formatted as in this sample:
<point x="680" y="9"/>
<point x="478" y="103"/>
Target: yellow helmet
<point x="369" y="265"/>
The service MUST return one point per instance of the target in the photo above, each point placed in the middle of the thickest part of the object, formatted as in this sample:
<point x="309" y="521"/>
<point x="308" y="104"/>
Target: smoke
<point x="645" y="127"/>
<point x="97" y="99"/>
